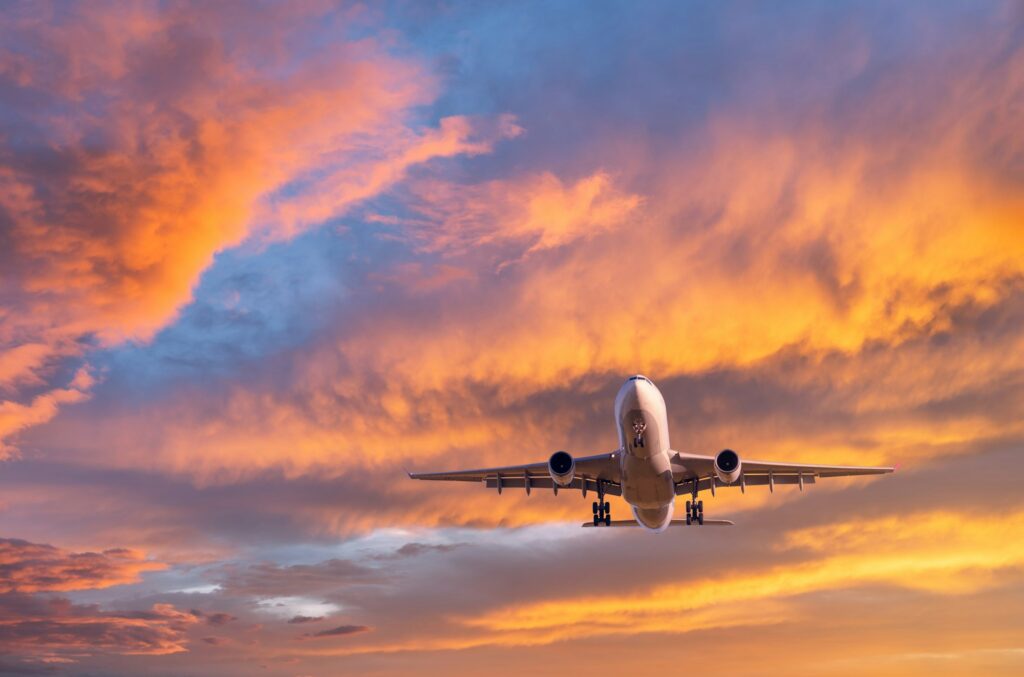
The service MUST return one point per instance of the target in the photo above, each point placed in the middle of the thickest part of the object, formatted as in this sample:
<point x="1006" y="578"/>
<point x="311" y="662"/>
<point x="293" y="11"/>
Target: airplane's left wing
<point x="589" y="470"/>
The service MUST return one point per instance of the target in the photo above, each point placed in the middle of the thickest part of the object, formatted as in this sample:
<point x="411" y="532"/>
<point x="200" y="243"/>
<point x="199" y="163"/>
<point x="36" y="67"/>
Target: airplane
<point x="645" y="471"/>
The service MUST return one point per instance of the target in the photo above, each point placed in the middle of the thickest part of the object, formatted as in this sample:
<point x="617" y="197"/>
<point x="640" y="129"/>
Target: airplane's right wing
<point x="590" y="470"/>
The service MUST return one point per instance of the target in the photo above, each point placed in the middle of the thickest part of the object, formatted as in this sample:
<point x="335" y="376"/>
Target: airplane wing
<point x="590" y="470"/>
<point x="691" y="468"/>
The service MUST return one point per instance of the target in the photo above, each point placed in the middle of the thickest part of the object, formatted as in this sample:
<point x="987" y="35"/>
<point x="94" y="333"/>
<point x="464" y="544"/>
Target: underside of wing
<point x="589" y="472"/>
<point x="673" y="523"/>
<point x="696" y="471"/>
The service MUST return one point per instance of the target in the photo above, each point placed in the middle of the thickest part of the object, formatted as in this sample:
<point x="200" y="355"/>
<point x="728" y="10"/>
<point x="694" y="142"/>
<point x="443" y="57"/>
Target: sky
<point x="258" y="259"/>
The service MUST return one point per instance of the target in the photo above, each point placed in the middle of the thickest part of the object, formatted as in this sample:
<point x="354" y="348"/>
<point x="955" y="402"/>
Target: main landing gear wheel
<point x="601" y="508"/>
<point x="695" y="512"/>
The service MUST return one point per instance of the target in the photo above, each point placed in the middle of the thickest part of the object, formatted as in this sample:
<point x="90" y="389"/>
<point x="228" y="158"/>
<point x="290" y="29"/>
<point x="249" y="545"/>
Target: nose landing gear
<point x="639" y="427"/>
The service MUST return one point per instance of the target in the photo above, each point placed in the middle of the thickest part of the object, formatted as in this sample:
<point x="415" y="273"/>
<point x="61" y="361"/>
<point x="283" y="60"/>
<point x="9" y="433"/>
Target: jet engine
<point x="562" y="467"/>
<point x="727" y="466"/>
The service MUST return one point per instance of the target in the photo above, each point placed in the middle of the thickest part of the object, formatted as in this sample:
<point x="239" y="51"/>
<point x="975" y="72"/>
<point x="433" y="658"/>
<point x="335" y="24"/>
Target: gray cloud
<point x="304" y="619"/>
<point x="340" y="631"/>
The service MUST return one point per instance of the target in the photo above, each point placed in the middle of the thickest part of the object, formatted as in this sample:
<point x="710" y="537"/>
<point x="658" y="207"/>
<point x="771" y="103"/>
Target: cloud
<point x="216" y="619"/>
<point x="123" y="174"/>
<point x="31" y="567"/>
<point x="305" y="619"/>
<point x="402" y="602"/>
<point x="911" y="562"/>
<point x="537" y="212"/>
<point x="33" y="624"/>
<point x="267" y="579"/>
<point x="920" y="551"/>
<point x="328" y="195"/>
<point x="417" y="549"/>
<point x="15" y="417"/>
<point x="340" y="631"/>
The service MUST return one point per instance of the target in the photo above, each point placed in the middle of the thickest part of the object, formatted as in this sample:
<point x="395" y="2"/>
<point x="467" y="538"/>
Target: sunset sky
<point x="257" y="259"/>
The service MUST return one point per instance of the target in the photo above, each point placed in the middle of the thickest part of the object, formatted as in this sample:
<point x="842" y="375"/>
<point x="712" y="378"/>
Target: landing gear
<point x="695" y="512"/>
<point x="695" y="508"/>
<point x="602" y="509"/>
<point x="639" y="426"/>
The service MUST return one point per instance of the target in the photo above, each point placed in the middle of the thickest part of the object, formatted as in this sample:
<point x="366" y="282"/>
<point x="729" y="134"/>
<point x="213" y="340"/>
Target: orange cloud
<point x="36" y="624"/>
<point x="931" y="552"/>
<point x="30" y="625"/>
<point x="178" y="156"/>
<point x="539" y="211"/>
<point x="32" y="567"/>
<point x="15" y="417"/>
<point x="925" y="555"/>
<point x="714" y="295"/>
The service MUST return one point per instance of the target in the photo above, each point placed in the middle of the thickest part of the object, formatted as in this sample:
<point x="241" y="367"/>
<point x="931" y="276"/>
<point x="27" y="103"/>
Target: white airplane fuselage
<point x="645" y="461"/>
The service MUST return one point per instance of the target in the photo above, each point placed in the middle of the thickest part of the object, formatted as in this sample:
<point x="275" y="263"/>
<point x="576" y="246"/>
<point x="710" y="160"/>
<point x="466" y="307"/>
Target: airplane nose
<point x="628" y="389"/>
<point x="628" y="397"/>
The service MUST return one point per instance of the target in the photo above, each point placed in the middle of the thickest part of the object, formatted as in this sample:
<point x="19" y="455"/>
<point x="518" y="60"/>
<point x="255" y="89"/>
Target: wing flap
<point x="752" y="480"/>
<point x="545" y="482"/>
<point x="537" y="470"/>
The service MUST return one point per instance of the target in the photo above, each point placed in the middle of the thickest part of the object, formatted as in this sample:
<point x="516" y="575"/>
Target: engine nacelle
<point x="562" y="468"/>
<point x="727" y="466"/>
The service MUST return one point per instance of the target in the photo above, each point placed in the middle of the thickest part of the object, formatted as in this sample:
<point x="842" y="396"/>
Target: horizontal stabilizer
<point x="673" y="523"/>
